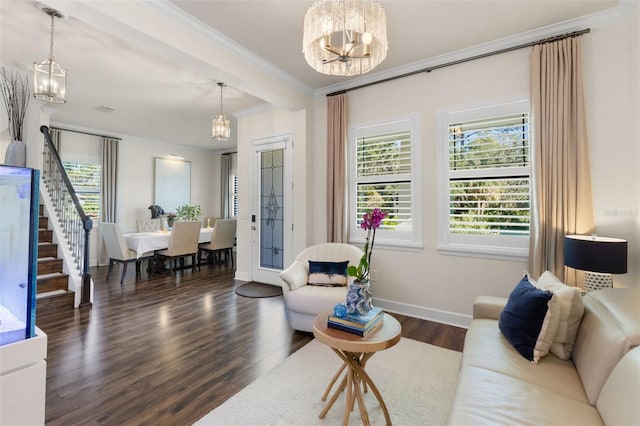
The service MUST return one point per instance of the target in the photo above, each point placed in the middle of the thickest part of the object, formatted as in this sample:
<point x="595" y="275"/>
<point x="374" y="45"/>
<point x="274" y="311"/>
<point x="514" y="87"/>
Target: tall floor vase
<point x="16" y="154"/>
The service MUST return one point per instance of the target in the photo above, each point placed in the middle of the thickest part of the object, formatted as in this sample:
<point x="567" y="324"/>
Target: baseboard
<point x="242" y="276"/>
<point x="437" y="315"/>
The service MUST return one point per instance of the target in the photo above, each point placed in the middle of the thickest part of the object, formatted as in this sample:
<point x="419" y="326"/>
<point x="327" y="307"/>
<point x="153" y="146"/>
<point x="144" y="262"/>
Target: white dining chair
<point x="183" y="242"/>
<point x="119" y="252"/>
<point x="222" y="240"/>
<point x="149" y="225"/>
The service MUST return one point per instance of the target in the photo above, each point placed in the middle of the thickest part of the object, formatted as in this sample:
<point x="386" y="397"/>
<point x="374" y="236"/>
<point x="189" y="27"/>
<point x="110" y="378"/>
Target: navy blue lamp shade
<point x="596" y="254"/>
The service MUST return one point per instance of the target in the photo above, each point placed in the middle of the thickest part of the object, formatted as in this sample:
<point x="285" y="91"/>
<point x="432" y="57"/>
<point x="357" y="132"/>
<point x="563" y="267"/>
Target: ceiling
<point x="157" y="63"/>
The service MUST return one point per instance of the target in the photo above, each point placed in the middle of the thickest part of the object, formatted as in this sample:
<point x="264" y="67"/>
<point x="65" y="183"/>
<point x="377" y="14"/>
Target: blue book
<point x="357" y="320"/>
<point x="357" y="331"/>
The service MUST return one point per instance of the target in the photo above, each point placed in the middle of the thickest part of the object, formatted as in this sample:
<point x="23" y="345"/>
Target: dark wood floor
<point x="170" y="349"/>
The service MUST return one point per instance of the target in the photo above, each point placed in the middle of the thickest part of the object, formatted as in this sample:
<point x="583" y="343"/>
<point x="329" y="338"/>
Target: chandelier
<point x="221" y="127"/>
<point x="49" y="78"/>
<point x="345" y="37"/>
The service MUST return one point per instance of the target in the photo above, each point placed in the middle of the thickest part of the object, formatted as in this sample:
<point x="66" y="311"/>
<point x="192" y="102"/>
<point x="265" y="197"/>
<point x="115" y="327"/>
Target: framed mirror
<point x="172" y="183"/>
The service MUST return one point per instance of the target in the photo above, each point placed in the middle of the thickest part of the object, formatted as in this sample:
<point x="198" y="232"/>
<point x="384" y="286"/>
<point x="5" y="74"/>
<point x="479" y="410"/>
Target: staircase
<point x="53" y="285"/>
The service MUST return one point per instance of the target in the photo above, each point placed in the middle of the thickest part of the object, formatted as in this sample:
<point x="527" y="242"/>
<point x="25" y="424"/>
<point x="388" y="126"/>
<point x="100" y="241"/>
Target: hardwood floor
<point x="168" y="350"/>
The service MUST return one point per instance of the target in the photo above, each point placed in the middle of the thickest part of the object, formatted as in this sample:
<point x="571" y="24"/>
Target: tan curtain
<point x="337" y="129"/>
<point x="561" y="171"/>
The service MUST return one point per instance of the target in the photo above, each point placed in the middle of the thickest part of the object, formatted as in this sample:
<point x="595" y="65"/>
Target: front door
<point x="272" y="216"/>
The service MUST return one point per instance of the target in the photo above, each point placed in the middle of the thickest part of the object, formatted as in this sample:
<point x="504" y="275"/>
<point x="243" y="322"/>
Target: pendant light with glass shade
<point x="49" y="78"/>
<point x="221" y="127"/>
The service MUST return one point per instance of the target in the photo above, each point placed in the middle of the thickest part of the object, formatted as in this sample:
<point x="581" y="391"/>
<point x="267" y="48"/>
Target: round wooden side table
<point x="355" y="351"/>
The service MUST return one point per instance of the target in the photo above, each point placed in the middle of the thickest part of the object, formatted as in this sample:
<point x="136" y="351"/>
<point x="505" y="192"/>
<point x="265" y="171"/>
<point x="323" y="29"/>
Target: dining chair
<point x="119" y="252"/>
<point x="209" y="221"/>
<point x="222" y="240"/>
<point x="149" y="225"/>
<point x="183" y="242"/>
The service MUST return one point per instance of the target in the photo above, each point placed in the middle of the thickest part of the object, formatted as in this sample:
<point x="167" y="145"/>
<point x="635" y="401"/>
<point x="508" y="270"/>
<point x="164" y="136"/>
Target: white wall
<point x="443" y="288"/>
<point x="136" y="174"/>
<point x="612" y="92"/>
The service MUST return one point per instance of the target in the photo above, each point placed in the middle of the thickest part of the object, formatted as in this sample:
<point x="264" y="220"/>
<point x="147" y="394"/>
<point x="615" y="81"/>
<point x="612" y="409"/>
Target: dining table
<point x="143" y="242"/>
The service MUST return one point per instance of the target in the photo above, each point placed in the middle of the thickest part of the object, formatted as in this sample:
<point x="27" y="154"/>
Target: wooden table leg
<point x="333" y="381"/>
<point x="354" y="377"/>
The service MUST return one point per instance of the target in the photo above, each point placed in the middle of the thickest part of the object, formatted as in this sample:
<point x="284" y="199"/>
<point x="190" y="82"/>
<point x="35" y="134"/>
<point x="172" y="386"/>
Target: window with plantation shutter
<point x="384" y="172"/>
<point x="86" y="180"/>
<point x="486" y="180"/>
<point x="234" y="194"/>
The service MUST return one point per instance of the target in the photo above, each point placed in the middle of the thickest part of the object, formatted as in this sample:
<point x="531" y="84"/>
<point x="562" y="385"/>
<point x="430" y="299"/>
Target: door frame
<point x="259" y="145"/>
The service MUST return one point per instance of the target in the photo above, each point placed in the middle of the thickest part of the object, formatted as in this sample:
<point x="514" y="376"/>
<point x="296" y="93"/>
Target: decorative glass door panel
<point x="272" y="209"/>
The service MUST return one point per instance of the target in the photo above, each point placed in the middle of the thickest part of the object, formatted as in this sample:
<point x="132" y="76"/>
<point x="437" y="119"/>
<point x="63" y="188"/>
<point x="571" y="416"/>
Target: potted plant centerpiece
<point x="359" y="293"/>
<point x="16" y="94"/>
<point x="188" y="213"/>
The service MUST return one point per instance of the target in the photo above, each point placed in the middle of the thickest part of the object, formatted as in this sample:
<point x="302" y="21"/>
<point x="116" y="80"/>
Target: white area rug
<point x="416" y="380"/>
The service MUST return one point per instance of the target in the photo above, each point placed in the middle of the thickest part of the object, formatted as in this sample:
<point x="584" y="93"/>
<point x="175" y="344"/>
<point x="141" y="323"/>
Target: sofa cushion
<point x="486" y="397"/>
<point x="327" y="274"/>
<point x="618" y="400"/>
<point x="571" y="310"/>
<point x="486" y="347"/>
<point x="530" y="319"/>
<point x="607" y="332"/>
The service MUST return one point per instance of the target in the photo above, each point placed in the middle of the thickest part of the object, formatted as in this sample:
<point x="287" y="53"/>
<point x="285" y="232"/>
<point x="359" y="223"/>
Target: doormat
<point x="254" y="289"/>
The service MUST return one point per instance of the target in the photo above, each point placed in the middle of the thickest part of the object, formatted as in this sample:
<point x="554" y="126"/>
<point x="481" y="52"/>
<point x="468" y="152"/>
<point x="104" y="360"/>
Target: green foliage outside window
<point x="383" y="173"/>
<point x="86" y="180"/>
<point x="489" y="185"/>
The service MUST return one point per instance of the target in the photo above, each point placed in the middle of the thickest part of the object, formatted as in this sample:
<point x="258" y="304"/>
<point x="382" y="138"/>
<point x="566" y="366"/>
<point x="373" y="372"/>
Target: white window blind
<point x="384" y="164"/>
<point x="384" y="177"/>
<point x="489" y="176"/>
<point x="234" y="194"/>
<point x="86" y="180"/>
<point x="486" y="180"/>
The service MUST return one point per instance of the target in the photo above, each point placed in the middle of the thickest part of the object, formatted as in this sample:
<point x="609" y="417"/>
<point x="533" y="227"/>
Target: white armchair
<point x="304" y="302"/>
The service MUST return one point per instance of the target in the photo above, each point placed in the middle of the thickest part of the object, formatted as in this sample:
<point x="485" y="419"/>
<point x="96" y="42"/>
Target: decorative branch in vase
<point x="16" y="95"/>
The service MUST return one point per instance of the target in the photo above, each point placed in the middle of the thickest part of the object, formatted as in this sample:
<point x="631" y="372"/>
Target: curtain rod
<point x="85" y="133"/>
<point x="471" y="58"/>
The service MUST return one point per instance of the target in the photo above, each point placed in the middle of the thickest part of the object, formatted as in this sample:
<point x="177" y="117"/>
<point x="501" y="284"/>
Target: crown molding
<point x="173" y="12"/>
<point x="617" y="13"/>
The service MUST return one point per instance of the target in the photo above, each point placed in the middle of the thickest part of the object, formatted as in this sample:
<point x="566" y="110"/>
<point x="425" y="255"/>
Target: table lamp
<point x="599" y="257"/>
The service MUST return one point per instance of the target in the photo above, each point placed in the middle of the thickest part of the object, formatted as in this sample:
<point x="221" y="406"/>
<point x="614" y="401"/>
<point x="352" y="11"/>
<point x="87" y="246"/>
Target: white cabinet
<point x="23" y="376"/>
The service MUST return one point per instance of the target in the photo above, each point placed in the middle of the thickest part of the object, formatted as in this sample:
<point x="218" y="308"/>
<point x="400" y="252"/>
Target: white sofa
<point x="304" y="302"/>
<point x="599" y="385"/>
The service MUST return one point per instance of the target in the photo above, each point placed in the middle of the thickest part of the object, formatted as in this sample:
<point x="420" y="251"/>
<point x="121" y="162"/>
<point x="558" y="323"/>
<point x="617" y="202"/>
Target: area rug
<point x="254" y="289"/>
<point x="416" y="380"/>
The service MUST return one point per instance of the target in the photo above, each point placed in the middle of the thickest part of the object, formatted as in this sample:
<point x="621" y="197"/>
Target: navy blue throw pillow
<point x="328" y="274"/>
<point x="529" y="320"/>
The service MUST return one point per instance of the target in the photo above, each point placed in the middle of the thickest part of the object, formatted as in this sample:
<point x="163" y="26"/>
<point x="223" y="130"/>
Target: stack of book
<point x="361" y="325"/>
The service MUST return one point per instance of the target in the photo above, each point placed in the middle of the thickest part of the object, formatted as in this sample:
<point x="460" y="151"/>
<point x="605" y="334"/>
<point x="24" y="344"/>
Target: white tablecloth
<point x="142" y="242"/>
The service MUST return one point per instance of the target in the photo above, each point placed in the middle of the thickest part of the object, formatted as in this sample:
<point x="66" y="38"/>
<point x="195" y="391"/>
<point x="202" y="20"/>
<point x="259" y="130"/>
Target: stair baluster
<point x="75" y="223"/>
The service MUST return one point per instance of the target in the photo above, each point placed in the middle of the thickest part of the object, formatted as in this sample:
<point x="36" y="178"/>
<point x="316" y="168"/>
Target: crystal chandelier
<point x="345" y="37"/>
<point x="49" y="78"/>
<point x="221" y="127"/>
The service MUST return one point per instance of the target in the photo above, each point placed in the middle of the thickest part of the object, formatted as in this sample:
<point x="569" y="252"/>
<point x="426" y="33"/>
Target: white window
<point x="384" y="163"/>
<point x="234" y="194"/>
<point x="86" y="180"/>
<point x="485" y="180"/>
<point x="233" y="186"/>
